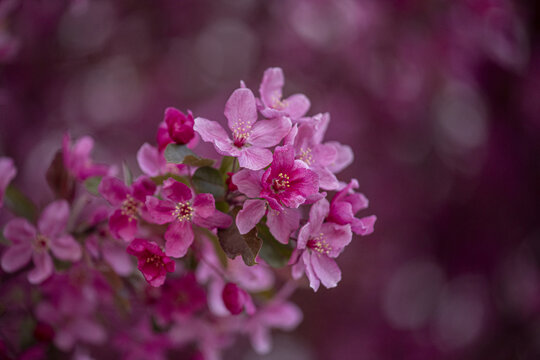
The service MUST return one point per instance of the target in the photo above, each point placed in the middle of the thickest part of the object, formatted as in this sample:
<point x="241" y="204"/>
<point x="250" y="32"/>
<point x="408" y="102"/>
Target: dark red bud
<point x="230" y="184"/>
<point x="179" y="125"/>
<point x="233" y="298"/>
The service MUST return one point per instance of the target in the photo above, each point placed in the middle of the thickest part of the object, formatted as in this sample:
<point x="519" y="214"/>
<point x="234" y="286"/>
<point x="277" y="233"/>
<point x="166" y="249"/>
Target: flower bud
<point x="234" y="298"/>
<point x="180" y="126"/>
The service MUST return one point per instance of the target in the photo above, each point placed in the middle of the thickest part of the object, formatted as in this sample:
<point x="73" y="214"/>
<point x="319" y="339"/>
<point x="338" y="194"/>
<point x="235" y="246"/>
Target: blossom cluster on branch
<point x="207" y="239"/>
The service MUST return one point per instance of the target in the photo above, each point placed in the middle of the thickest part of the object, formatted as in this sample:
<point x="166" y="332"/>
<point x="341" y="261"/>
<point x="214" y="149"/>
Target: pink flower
<point x="345" y="204"/>
<point x="31" y="243"/>
<point x="272" y="106"/>
<point x="318" y="244"/>
<point x="179" y="126"/>
<point x="129" y="203"/>
<point x="153" y="263"/>
<point x="251" y="138"/>
<point x="180" y="208"/>
<point x="181" y="296"/>
<point x="236" y="299"/>
<point x="7" y="173"/>
<point x="287" y="182"/>
<point x="77" y="158"/>
<point x="324" y="159"/>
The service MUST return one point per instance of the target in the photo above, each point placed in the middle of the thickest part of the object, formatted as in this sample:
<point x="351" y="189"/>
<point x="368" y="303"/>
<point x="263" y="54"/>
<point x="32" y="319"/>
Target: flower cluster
<point x="205" y="238"/>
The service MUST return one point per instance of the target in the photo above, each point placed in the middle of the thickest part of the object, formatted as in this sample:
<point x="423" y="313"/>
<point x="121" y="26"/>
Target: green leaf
<point x="222" y="206"/>
<point x="226" y="165"/>
<point x="92" y="184"/>
<point x="158" y="180"/>
<point x="273" y="252"/>
<point x="197" y="162"/>
<point x="19" y="204"/>
<point x="128" y="177"/>
<point x="208" y="180"/>
<point x="233" y="243"/>
<point x="175" y="153"/>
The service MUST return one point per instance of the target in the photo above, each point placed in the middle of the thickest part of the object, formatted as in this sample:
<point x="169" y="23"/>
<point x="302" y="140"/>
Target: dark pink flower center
<point x="319" y="244"/>
<point x="183" y="211"/>
<point x="281" y="182"/>
<point x="155" y="260"/>
<point x="41" y="243"/>
<point x="241" y="132"/>
<point x="278" y="104"/>
<point x="130" y="207"/>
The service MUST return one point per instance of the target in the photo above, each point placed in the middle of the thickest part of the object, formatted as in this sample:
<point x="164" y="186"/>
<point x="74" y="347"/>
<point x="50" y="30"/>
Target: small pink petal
<point x="43" y="267"/>
<point x="113" y="190"/>
<point x="241" y="109"/>
<point x="326" y="270"/>
<point x="364" y="226"/>
<point x="255" y="158"/>
<point x="53" y="219"/>
<point x="179" y="237"/>
<point x="297" y="105"/>
<point x="283" y="223"/>
<point x="160" y="211"/>
<point x="20" y="231"/>
<point x="318" y="212"/>
<point x="212" y="131"/>
<point x="16" y="257"/>
<point x="122" y="226"/>
<point x="248" y="182"/>
<point x="204" y="205"/>
<point x="216" y="220"/>
<point x="271" y="85"/>
<point x="176" y="191"/>
<point x="344" y="157"/>
<point x="314" y="281"/>
<point x="268" y="133"/>
<point x="150" y="160"/>
<point x="250" y="215"/>
<point x="66" y="248"/>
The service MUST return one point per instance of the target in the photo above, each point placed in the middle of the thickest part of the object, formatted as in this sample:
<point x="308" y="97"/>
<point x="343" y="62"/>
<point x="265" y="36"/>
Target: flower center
<point x="130" y="207"/>
<point x="154" y="260"/>
<point x="319" y="244"/>
<point x="41" y="243"/>
<point x="281" y="182"/>
<point x="278" y="104"/>
<point x="305" y="156"/>
<point x="241" y="132"/>
<point x="183" y="211"/>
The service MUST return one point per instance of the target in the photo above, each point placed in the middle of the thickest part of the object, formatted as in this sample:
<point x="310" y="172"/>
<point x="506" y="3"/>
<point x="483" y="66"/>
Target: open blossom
<point x="77" y="158"/>
<point x="152" y="261"/>
<point x="318" y="244"/>
<point x="181" y="208"/>
<point x="31" y="243"/>
<point x="129" y="204"/>
<point x="272" y="105"/>
<point x="251" y="138"/>
<point x="7" y="173"/>
<point x="181" y="297"/>
<point x="345" y="204"/>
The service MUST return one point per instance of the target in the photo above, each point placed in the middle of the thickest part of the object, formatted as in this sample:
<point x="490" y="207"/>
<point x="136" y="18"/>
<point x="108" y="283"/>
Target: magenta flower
<point x="287" y="182"/>
<point x="152" y="262"/>
<point x="31" y="243"/>
<point x="180" y="208"/>
<point x="7" y="173"/>
<point x="77" y="158"/>
<point x="272" y="106"/>
<point x="179" y="126"/>
<point x="318" y="244"/>
<point x="251" y="138"/>
<point x="345" y="204"/>
<point x="180" y="297"/>
<point x="236" y="299"/>
<point x="129" y="203"/>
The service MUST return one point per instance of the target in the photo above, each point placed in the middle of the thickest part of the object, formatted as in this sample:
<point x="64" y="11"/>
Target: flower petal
<point x="283" y="223"/>
<point x="297" y="105"/>
<point x="250" y="215"/>
<point x="122" y="226"/>
<point x="16" y="257"/>
<point x="212" y="131"/>
<point x="364" y="226"/>
<point x="337" y="236"/>
<point x="271" y="85"/>
<point x="43" y="267"/>
<point x="344" y="157"/>
<point x="66" y="248"/>
<point x="20" y="231"/>
<point x="314" y="281"/>
<point x="255" y="158"/>
<point x="179" y="237"/>
<point x="54" y="218"/>
<point x="143" y="187"/>
<point x="317" y="214"/>
<point x="150" y="160"/>
<point x="113" y="190"/>
<point x="267" y="133"/>
<point x="216" y="220"/>
<point x="176" y="191"/>
<point x="241" y="109"/>
<point x="204" y="205"/>
<point x="160" y="211"/>
<point x="326" y="270"/>
<point x="248" y="182"/>
<point x="327" y="180"/>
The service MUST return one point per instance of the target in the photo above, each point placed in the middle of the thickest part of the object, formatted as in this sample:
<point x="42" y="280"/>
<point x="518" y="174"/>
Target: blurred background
<point x="440" y="100"/>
